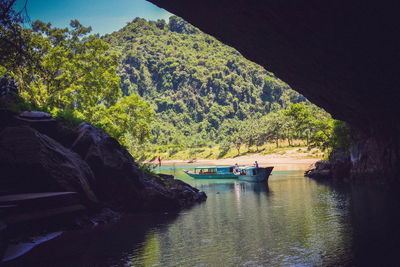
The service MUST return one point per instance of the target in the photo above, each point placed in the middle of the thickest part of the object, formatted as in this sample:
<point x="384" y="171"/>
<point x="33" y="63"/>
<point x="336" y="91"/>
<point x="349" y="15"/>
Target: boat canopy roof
<point x="212" y="167"/>
<point x="251" y="168"/>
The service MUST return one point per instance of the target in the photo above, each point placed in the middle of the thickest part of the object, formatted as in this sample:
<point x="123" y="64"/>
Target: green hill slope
<point x="195" y="84"/>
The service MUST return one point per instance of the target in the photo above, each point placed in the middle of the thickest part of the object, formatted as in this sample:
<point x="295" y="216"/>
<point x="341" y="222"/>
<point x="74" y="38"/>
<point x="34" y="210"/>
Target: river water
<point x="292" y="221"/>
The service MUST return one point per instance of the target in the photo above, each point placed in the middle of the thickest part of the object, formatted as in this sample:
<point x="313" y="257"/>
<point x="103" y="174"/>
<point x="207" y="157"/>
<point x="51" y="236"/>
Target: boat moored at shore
<point x="212" y="172"/>
<point x="254" y="174"/>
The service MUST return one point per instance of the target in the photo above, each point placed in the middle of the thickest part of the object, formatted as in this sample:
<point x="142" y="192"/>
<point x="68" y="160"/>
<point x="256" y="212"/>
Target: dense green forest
<point x="195" y="84"/>
<point x="206" y="93"/>
<point x="159" y="87"/>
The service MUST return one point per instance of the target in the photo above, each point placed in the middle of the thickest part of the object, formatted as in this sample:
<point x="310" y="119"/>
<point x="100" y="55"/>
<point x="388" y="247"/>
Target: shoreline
<point x="291" y="161"/>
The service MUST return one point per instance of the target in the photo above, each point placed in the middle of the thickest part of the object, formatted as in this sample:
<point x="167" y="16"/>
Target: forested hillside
<point x="160" y="88"/>
<point x="197" y="86"/>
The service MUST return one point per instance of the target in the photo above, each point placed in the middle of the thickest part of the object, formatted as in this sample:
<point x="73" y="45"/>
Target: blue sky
<point x="104" y="16"/>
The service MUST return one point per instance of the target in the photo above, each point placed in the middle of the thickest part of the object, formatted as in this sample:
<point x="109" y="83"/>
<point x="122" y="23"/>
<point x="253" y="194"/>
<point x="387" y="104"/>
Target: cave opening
<point x="342" y="56"/>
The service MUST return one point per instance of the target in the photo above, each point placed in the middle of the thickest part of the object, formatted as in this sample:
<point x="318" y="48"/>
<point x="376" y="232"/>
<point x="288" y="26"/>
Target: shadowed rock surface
<point x="85" y="160"/>
<point x="342" y="55"/>
<point x="57" y="176"/>
<point x="33" y="162"/>
<point x="121" y="183"/>
<point x="118" y="178"/>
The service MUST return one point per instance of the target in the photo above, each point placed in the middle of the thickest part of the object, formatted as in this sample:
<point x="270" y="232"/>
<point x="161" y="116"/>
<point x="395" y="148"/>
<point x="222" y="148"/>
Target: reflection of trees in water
<point x="148" y="253"/>
<point x="255" y="187"/>
<point x="301" y="222"/>
<point x="222" y="187"/>
<point x="218" y="232"/>
<point x="291" y="220"/>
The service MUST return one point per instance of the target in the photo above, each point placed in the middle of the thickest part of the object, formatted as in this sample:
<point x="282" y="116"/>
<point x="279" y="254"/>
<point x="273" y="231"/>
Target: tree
<point x="127" y="120"/>
<point x="237" y="140"/>
<point x="333" y="136"/>
<point x="68" y="71"/>
<point x="273" y="125"/>
<point x="193" y="80"/>
<point x="75" y="71"/>
<point x="299" y="119"/>
<point x="13" y="49"/>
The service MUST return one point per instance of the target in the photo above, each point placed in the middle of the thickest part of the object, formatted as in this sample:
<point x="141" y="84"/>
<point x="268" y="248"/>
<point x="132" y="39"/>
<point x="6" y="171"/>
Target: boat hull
<point x="262" y="176"/>
<point x="212" y="176"/>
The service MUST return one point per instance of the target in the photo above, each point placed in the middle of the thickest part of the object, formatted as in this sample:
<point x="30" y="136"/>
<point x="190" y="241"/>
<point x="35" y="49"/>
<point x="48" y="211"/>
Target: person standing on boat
<point x="159" y="161"/>
<point x="256" y="164"/>
<point x="236" y="168"/>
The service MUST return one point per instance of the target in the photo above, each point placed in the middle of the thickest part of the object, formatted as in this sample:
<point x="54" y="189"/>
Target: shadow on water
<point x="106" y="245"/>
<point x="375" y="221"/>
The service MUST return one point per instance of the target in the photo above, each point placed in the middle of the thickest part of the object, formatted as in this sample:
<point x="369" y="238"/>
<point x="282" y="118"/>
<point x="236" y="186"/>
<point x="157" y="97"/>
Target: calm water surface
<point x="292" y="221"/>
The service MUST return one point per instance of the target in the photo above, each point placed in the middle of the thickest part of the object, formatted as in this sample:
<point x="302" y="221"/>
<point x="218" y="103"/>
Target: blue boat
<point x="254" y="174"/>
<point x="212" y="172"/>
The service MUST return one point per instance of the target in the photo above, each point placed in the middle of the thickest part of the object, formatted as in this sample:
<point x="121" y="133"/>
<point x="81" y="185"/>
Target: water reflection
<point x="291" y="221"/>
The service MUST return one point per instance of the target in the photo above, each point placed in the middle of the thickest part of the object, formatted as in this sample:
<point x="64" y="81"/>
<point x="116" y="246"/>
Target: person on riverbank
<point x="159" y="161"/>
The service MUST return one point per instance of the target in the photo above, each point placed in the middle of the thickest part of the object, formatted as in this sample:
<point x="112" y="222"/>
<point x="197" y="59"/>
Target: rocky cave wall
<point x="342" y="55"/>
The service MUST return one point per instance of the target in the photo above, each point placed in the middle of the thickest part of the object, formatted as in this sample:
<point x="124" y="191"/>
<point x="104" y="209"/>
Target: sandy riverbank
<point x="291" y="160"/>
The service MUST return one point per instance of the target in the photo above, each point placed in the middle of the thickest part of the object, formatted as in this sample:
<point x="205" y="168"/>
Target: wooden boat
<point x="254" y="174"/>
<point x="212" y="172"/>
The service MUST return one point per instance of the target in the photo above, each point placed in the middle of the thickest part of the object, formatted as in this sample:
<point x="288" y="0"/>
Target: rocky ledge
<point x="338" y="169"/>
<point x="40" y="156"/>
<point x="343" y="166"/>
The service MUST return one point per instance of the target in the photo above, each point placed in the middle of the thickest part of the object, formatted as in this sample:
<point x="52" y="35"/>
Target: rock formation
<point x="341" y="55"/>
<point x="33" y="162"/>
<point x="39" y="154"/>
<point x="55" y="175"/>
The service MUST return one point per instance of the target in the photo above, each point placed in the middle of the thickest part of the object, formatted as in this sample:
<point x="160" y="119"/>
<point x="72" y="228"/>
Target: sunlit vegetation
<point x="299" y="150"/>
<point x="206" y="95"/>
<point x="162" y="89"/>
<point x="72" y="75"/>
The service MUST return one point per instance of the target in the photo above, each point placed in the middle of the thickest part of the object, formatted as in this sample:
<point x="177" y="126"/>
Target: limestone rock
<point x="33" y="162"/>
<point x="118" y="178"/>
<point x="119" y="181"/>
<point x="168" y="193"/>
<point x="338" y="168"/>
<point x="45" y="155"/>
<point x="35" y="115"/>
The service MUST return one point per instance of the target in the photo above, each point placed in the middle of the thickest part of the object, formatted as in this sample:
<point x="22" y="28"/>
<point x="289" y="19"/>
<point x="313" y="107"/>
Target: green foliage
<point x="13" y="51"/>
<point x="127" y="120"/>
<point x="340" y="138"/>
<point x="67" y="115"/>
<point x="75" y="71"/>
<point x="320" y="129"/>
<point x="148" y="169"/>
<point x="205" y="93"/>
<point x="194" y="83"/>
<point x="73" y="75"/>
<point x="201" y="93"/>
